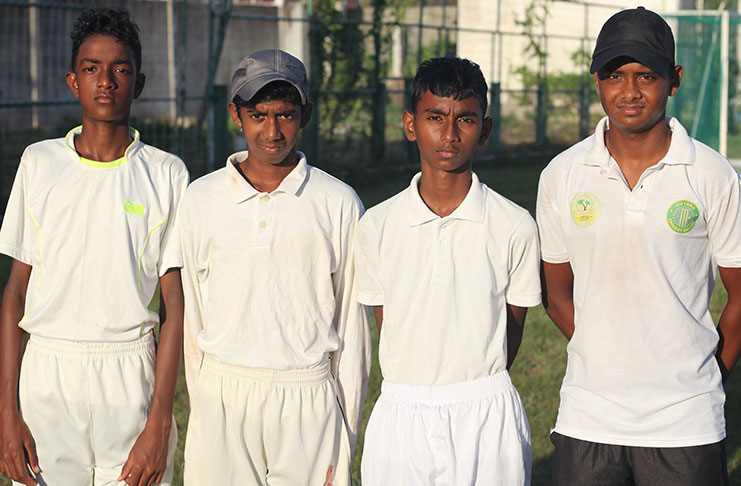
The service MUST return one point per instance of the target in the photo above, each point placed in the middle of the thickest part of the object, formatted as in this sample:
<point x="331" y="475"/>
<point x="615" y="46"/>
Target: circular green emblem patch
<point x="585" y="208"/>
<point x="681" y="215"/>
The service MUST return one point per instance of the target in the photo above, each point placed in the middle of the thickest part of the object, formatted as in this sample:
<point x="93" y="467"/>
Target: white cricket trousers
<point x="260" y="427"/>
<point x="465" y="434"/>
<point x="85" y="404"/>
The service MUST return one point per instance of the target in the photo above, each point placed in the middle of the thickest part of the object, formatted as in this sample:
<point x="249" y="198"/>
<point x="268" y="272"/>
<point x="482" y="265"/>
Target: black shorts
<point x="582" y="463"/>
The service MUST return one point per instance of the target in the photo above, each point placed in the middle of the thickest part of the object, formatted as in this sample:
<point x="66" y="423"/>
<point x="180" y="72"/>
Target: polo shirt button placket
<point x="264" y="217"/>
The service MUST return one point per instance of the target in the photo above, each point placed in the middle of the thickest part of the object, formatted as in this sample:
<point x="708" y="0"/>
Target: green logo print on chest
<point x="681" y="216"/>
<point x="133" y="208"/>
<point x="585" y="208"/>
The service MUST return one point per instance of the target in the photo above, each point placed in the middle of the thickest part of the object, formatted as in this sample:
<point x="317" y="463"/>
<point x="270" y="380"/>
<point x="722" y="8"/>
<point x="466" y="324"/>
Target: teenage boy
<point x="635" y="221"/>
<point x="449" y="267"/>
<point x="268" y="280"/>
<point x="88" y="227"/>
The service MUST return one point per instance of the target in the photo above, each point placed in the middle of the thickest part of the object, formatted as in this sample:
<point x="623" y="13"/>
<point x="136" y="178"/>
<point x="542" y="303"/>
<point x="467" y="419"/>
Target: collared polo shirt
<point x="641" y="366"/>
<point x="444" y="282"/>
<point x="97" y="236"/>
<point x="268" y="277"/>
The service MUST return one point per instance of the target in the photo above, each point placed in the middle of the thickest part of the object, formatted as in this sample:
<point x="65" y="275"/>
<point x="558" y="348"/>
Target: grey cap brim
<point x="644" y="56"/>
<point x="249" y="89"/>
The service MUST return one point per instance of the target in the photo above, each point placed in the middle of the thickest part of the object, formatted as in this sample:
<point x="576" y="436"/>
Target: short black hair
<point x="115" y="22"/>
<point x="273" y="91"/>
<point x="449" y="77"/>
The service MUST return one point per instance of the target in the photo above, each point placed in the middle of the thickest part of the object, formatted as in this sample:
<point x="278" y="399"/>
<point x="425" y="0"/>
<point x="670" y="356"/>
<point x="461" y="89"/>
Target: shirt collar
<point x="681" y="149"/>
<point x="241" y="190"/>
<point x="135" y="145"/>
<point x="471" y="209"/>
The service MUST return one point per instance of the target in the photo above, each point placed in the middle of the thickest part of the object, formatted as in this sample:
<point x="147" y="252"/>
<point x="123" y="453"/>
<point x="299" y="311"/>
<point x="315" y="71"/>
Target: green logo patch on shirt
<point x="681" y="216"/>
<point x="585" y="208"/>
<point x="133" y="208"/>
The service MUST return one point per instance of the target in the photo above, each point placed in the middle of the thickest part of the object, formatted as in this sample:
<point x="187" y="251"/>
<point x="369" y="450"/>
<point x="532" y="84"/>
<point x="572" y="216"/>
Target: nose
<point x="106" y="79"/>
<point x="630" y="89"/>
<point x="450" y="131"/>
<point x="272" y="129"/>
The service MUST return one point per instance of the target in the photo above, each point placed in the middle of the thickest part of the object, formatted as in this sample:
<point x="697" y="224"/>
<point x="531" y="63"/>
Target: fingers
<point x="33" y="460"/>
<point x="13" y="464"/>
<point x="126" y="470"/>
<point x="135" y="475"/>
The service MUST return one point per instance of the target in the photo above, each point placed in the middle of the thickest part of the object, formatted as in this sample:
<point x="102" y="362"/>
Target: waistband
<point x="88" y="349"/>
<point x="300" y="376"/>
<point x="444" y="394"/>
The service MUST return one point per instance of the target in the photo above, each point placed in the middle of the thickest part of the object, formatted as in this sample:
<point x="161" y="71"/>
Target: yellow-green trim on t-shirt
<point x="104" y="165"/>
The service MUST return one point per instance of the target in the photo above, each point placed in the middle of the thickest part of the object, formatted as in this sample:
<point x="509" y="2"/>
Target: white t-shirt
<point x="268" y="277"/>
<point x="641" y="366"/>
<point x="444" y="282"/>
<point x="97" y="235"/>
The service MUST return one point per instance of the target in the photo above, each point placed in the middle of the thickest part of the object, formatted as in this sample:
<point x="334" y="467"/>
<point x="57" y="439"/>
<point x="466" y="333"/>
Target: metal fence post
<point x="541" y="115"/>
<point x="495" y="111"/>
<point x="378" y="135"/>
<point x="584" y="101"/>
<point x="218" y="132"/>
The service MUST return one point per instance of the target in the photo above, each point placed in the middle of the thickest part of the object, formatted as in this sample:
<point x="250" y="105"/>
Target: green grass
<point x="541" y="362"/>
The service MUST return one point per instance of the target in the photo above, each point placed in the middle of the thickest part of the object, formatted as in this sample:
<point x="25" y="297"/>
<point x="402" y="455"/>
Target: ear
<point x="72" y="84"/>
<point x="234" y="113"/>
<point x="407" y="120"/>
<point x="676" y="79"/>
<point x="306" y="111"/>
<point x="485" y="129"/>
<point x="596" y="83"/>
<point x="139" y="84"/>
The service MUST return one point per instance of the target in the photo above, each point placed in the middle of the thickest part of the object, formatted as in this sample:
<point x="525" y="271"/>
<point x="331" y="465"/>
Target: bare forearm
<point x="729" y="344"/>
<point x="12" y="337"/>
<point x="562" y="315"/>
<point x="515" y="326"/>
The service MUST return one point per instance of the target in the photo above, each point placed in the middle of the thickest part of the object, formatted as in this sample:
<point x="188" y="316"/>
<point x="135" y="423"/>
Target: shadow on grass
<point x="542" y="471"/>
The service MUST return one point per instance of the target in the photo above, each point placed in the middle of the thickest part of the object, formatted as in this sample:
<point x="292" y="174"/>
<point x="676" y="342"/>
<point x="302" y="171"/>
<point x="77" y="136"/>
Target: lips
<point x="447" y="153"/>
<point x="630" y="109"/>
<point x="272" y="149"/>
<point x="105" y="99"/>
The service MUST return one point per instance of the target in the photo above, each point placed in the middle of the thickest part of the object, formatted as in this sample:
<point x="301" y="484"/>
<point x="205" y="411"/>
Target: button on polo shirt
<point x="444" y="282"/>
<point x="641" y="368"/>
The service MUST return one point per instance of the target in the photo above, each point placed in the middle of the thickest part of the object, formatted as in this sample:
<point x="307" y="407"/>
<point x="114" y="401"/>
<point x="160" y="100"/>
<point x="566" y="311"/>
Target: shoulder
<point x="393" y="206"/>
<point x="711" y="164"/>
<point x="157" y="158"/>
<point x="569" y="158"/>
<point x="333" y="190"/>
<point x="502" y="213"/>
<point x="207" y="184"/>
<point x="45" y="151"/>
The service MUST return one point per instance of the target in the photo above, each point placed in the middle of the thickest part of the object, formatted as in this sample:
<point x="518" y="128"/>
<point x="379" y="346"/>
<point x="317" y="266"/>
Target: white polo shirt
<point x="97" y="235"/>
<point x="641" y="366"/>
<point x="444" y="282"/>
<point x="268" y="277"/>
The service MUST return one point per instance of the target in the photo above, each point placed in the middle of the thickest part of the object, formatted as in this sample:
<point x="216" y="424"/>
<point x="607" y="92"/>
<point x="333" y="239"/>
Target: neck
<point x="443" y="192"/>
<point x="103" y="142"/>
<point x="266" y="177"/>
<point x="639" y="151"/>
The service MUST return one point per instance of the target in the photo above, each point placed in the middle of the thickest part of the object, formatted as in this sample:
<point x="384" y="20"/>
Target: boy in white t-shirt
<point x="88" y="226"/>
<point x="449" y="267"/>
<point x="269" y="299"/>
<point x="636" y="221"/>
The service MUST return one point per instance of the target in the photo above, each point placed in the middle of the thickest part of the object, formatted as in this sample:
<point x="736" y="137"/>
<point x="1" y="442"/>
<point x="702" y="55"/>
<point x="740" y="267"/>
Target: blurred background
<point x="361" y="56"/>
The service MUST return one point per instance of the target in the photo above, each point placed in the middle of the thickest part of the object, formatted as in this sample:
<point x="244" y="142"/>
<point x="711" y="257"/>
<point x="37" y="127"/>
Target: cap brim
<point x="251" y="88"/>
<point x="644" y="56"/>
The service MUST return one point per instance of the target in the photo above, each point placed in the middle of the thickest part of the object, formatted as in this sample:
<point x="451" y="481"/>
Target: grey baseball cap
<point x="263" y="67"/>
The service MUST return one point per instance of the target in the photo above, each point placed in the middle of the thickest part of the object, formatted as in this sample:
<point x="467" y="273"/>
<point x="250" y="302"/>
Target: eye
<point x="467" y="119"/>
<point x="123" y="70"/>
<point x="434" y="118"/>
<point x="88" y="69"/>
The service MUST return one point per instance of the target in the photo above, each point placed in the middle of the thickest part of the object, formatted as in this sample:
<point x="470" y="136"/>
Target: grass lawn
<point x="541" y="362"/>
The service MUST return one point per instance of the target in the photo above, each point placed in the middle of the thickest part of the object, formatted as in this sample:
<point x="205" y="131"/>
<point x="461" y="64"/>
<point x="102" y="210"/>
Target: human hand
<point x="147" y="461"/>
<point x="18" y="458"/>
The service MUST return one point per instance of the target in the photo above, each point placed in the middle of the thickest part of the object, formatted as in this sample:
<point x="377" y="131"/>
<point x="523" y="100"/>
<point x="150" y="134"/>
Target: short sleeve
<point x="523" y="288"/>
<point x="19" y="235"/>
<point x="552" y="239"/>
<point x="724" y="221"/>
<point x="369" y="289"/>
<point x="170" y="253"/>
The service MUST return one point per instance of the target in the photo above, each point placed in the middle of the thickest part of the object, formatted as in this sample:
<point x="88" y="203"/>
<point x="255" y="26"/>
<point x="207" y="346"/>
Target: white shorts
<point x="473" y="433"/>
<point x="86" y="404"/>
<point x="253" y="426"/>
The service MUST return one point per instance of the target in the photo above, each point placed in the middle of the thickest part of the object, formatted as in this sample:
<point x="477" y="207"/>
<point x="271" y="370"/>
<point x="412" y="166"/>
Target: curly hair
<point x="115" y="22"/>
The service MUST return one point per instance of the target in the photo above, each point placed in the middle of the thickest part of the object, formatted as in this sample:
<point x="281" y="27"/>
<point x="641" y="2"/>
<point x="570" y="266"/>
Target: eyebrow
<point x="98" y="61"/>
<point x="437" y="111"/>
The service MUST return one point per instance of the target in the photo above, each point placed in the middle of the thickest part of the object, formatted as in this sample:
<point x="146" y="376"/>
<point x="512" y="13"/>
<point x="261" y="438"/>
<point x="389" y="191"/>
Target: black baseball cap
<point x="639" y="34"/>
